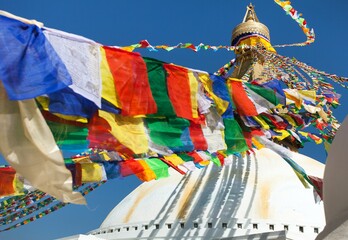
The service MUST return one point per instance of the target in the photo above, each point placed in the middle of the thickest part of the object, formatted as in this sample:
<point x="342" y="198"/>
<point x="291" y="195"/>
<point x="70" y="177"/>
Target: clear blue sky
<point x="124" y="22"/>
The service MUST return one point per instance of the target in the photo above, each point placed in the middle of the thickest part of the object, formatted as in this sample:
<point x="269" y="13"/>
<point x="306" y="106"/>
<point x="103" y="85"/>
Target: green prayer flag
<point x="158" y="84"/>
<point x="214" y="159"/>
<point x="185" y="157"/>
<point x="70" y="139"/>
<point x="158" y="167"/>
<point x="167" y="132"/>
<point x="234" y="137"/>
<point x="267" y="94"/>
<point x="65" y="133"/>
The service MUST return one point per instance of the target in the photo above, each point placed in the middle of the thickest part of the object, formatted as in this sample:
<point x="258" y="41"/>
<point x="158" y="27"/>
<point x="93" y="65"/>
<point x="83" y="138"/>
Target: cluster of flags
<point x="296" y="16"/>
<point x="76" y="112"/>
<point x="100" y="97"/>
<point x="21" y="210"/>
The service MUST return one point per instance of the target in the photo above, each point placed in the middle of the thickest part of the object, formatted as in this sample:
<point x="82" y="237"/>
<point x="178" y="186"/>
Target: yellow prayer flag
<point x="303" y="133"/>
<point x="204" y="163"/>
<point x="128" y="48"/>
<point x="257" y="144"/>
<point x="262" y="122"/>
<point x="106" y="156"/>
<point x="289" y="119"/>
<point x="293" y="95"/>
<point x="193" y="90"/>
<point x="108" y="85"/>
<point x="129" y="131"/>
<point x="175" y="159"/>
<point x="301" y="178"/>
<point x="323" y="115"/>
<point x="91" y="172"/>
<point x="284" y="134"/>
<point x="309" y="95"/>
<point x="147" y="174"/>
<point x="18" y="186"/>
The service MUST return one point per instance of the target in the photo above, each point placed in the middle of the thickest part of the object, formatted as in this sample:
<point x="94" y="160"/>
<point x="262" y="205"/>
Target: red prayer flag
<point x="131" y="82"/>
<point x="245" y="107"/>
<point x="130" y="167"/>
<point x="248" y="139"/>
<point x="7" y="176"/>
<point x="318" y="185"/>
<point x="221" y="158"/>
<point x="197" y="158"/>
<point x="78" y="174"/>
<point x="197" y="137"/>
<point x="179" y="92"/>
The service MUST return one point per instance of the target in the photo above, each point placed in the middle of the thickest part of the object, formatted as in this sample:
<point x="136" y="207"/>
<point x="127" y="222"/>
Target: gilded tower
<point x="250" y="33"/>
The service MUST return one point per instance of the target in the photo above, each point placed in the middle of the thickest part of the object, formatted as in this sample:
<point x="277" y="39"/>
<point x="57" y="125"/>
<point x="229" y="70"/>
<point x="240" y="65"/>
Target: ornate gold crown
<point x="250" y="25"/>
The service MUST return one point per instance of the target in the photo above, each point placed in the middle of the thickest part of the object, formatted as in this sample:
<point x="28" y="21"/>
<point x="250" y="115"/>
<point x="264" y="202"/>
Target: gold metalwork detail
<point x="250" y="24"/>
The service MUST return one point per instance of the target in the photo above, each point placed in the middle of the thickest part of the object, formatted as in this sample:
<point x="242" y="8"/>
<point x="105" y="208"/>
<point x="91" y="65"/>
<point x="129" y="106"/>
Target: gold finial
<point x="250" y="25"/>
<point x="250" y="14"/>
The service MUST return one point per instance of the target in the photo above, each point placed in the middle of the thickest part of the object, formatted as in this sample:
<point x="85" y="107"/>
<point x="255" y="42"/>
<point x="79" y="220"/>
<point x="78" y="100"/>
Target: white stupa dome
<point x="255" y="196"/>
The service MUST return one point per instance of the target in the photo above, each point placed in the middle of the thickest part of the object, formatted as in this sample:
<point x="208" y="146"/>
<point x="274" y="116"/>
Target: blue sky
<point x="124" y="22"/>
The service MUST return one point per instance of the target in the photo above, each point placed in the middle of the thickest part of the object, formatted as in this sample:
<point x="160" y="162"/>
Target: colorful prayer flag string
<point x="301" y="22"/>
<point x="148" y="115"/>
<point x="43" y="209"/>
<point x="286" y="5"/>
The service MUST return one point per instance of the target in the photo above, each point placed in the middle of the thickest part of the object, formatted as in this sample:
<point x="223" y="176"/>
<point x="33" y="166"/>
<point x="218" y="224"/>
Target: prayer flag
<point x="243" y="103"/>
<point x="129" y="131"/>
<point x="275" y="85"/>
<point x="263" y="96"/>
<point x="170" y="132"/>
<point x="221" y="105"/>
<point x="91" y="172"/>
<point x="100" y="137"/>
<point x="68" y="102"/>
<point x="112" y="169"/>
<point x="82" y="58"/>
<point x="220" y="89"/>
<point x="158" y="84"/>
<point x="29" y="65"/>
<point x="174" y="159"/>
<point x="179" y="91"/>
<point x="197" y="137"/>
<point x="131" y="82"/>
<point x="110" y="100"/>
<point x="10" y="185"/>
<point x="158" y="167"/>
<point x="234" y="138"/>
<point x="147" y="174"/>
<point x="23" y="125"/>
<point x="130" y="167"/>
<point x="70" y="139"/>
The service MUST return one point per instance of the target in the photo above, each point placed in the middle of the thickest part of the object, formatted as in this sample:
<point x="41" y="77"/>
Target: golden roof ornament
<point x="250" y="26"/>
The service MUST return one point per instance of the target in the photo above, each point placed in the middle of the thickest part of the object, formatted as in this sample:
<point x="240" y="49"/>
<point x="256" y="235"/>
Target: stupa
<point x="256" y="196"/>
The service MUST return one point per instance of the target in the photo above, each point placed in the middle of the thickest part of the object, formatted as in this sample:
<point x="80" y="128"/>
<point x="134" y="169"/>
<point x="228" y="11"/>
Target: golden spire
<point x="250" y="14"/>
<point x="250" y="25"/>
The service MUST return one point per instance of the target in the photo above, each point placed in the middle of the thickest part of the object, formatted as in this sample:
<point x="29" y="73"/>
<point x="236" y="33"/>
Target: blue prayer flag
<point x="29" y="66"/>
<point x="276" y="86"/>
<point x="67" y="102"/>
<point x="220" y="89"/>
<point x="112" y="169"/>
